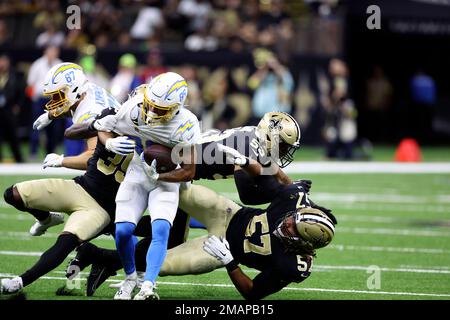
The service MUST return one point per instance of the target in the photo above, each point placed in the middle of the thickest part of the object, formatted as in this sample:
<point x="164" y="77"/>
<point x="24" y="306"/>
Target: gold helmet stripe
<point x="176" y="86"/>
<point x="64" y="68"/>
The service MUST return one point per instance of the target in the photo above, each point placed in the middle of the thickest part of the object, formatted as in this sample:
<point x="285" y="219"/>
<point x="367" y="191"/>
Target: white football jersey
<point x="182" y="128"/>
<point x="94" y="102"/>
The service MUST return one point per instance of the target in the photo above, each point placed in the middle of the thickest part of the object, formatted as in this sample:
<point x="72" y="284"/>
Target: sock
<point x="51" y="258"/>
<point x="125" y="243"/>
<point x="158" y="249"/>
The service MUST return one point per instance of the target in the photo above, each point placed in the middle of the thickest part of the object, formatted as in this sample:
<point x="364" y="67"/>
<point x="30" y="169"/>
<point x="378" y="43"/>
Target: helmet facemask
<point x="59" y="103"/>
<point x="279" y="136"/>
<point x="292" y="241"/>
<point x="153" y="113"/>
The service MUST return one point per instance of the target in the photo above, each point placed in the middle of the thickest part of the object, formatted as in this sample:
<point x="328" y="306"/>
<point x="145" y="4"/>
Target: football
<point x="162" y="155"/>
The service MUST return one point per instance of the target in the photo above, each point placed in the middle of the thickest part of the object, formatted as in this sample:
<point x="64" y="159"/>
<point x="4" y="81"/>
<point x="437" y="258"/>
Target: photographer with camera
<point x="272" y="84"/>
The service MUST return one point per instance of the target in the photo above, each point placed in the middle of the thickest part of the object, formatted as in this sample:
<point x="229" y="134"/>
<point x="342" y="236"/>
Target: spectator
<point x="197" y="11"/>
<point x="126" y="79"/>
<point x="379" y="95"/>
<point x="423" y="99"/>
<point x="154" y="66"/>
<point x="148" y="21"/>
<point x="11" y="91"/>
<point x="94" y="73"/>
<point x="273" y="85"/>
<point x="194" y="100"/>
<point x="51" y="13"/>
<point x="50" y="37"/>
<point x="340" y="129"/>
<point x="35" y="86"/>
<point x="201" y="40"/>
<point x="5" y="36"/>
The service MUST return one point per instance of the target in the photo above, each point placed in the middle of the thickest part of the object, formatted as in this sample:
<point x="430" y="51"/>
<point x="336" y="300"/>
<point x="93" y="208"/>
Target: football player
<point x="89" y="200"/>
<point x="155" y="113"/>
<point x="70" y="95"/>
<point x="259" y="151"/>
<point x="280" y="241"/>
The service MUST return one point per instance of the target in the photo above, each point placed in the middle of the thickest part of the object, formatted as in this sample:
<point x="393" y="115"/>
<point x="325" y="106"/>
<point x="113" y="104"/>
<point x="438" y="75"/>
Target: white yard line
<point x="387" y="249"/>
<point x="393" y="232"/>
<point x="296" y="167"/>
<point x="223" y="285"/>
<point x="432" y="269"/>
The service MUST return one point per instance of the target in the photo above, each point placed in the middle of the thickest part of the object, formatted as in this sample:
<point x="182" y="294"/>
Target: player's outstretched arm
<point x="185" y="173"/>
<point x="80" y="162"/>
<point x="261" y="286"/>
<point x="79" y="131"/>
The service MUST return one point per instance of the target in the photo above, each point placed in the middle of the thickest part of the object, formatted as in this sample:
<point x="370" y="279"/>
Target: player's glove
<point x="150" y="170"/>
<point x="305" y="184"/>
<point x="121" y="145"/>
<point x="42" y="121"/>
<point x="106" y="124"/>
<point x="219" y="248"/>
<point x="53" y="160"/>
<point x="233" y="155"/>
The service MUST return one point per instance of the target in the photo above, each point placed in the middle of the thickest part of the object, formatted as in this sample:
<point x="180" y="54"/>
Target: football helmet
<point x="163" y="97"/>
<point x="64" y="84"/>
<point x="279" y="135"/>
<point x="312" y="229"/>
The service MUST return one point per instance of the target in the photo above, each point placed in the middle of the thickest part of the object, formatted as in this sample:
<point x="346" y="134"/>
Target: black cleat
<point x="97" y="276"/>
<point x="80" y="262"/>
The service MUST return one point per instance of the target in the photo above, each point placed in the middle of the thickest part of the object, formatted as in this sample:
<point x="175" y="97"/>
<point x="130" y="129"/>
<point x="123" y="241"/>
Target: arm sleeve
<point x="264" y="284"/>
<point x="256" y="190"/>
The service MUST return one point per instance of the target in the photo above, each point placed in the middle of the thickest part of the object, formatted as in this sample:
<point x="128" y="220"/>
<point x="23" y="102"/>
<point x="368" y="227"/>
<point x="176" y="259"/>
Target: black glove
<point x="305" y="184"/>
<point x="324" y="210"/>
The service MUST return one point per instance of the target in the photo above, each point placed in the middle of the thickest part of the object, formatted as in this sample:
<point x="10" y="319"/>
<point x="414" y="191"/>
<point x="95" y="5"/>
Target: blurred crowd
<point x="221" y="97"/>
<point x="208" y="25"/>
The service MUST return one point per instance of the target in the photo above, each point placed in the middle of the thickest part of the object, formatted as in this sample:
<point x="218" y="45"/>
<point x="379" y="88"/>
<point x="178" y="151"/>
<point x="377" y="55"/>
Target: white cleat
<point x="40" y="227"/>
<point x="147" y="292"/>
<point x="10" y="286"/>
<point x="126" y="289"/>
<point x="140" y="280"/>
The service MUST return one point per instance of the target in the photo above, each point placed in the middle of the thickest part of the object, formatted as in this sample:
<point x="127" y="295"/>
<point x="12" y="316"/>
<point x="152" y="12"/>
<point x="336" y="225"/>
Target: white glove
<point x="53" y="160"/>
<point x="150" y="170"/>
<point x="107" y="123"/>
<point x="120" y="145"/>
<point x="42" y="121"/>
<point x="233" y="155"/>
<point x="218" y="248"/>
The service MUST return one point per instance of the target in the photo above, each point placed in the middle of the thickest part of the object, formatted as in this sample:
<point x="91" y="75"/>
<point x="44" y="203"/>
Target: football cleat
<point x="126" y="289"/>
<point x="10" y="286"/>
<point x="40" y="227"/>
<point x="147" y="292"/>
<point x="80" y="262"/>
<point x="96" y="277"/>
<point x="140" y="280"/>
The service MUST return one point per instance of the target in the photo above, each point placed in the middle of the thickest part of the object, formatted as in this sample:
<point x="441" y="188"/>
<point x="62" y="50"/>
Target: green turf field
<point x="399" y="223"/>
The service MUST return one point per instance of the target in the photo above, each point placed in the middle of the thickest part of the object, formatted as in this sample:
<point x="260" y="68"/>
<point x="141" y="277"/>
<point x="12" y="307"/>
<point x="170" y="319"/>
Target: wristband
<point x="232" y="265"/>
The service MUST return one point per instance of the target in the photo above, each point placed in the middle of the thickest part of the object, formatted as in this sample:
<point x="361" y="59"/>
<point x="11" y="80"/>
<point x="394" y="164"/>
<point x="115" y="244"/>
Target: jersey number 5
<point x="265" y="247"/>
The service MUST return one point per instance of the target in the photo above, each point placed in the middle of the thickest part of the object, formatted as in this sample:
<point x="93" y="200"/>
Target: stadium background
<point x="357" y="94"/>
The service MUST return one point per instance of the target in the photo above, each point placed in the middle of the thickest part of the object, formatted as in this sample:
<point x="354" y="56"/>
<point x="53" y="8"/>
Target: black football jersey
<point x="253" y="243"/>
<point x="211" y="163"/>
<point x="105" y="171"/>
